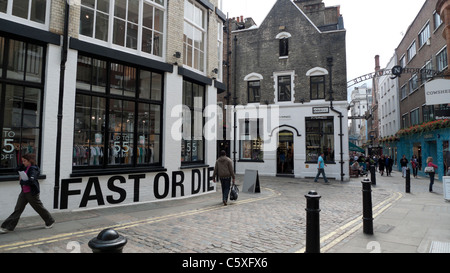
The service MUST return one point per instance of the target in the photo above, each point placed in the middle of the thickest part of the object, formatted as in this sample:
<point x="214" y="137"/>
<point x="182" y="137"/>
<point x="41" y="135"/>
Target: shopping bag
<point x="234" y="192"/>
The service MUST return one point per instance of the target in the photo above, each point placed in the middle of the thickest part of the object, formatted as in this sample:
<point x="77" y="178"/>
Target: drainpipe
<point x="235" y="102"/>
<point x="341" y="135"/>
<point x="64" y="51"/>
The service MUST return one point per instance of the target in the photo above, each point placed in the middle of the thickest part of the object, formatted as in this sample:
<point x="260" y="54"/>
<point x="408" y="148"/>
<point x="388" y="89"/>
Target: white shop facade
<point x="131" y="130"/>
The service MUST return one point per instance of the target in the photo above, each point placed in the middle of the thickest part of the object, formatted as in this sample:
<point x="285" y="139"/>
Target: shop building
<point x="423" y="55"/>
<point x="112" y="97"/>
<point x="284" y="114"/>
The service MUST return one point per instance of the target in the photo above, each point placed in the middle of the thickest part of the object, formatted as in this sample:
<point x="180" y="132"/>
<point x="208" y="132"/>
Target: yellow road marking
<point x="67" y="236"/>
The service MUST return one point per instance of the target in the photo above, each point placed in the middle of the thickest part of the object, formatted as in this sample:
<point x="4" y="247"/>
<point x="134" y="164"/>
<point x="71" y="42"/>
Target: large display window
<point x="21" y="90"/>
<point x="319" y="139"/>
<point x="117" y="115"/>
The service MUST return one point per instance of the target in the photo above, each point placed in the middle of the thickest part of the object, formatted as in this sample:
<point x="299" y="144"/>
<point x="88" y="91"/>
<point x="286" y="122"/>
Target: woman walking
<point x="414" y="165"/>
<point x="431" y="174"/>
<point x="29" y="194"/>
<point x="224" y="170"/>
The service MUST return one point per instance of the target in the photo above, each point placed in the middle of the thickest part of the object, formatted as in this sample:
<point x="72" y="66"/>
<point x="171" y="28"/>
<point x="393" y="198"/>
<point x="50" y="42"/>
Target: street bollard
<point x="312" y="222"/>
<point x="108" y="241"/>
<point x="408" y="180"/>
<point x="372" y="174"/>
<point x="367" y="207"/>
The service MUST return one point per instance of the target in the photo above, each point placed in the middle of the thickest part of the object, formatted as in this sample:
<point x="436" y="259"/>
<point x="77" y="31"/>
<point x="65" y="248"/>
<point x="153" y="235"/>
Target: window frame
<point x="141" y="28"/>
<point x="27" y="21"/>
<point x="136" y="100"/>
<point x="252" y="90"/>
<point x="310" y="158"/>
<point x="24" y="85"/>
<point x="249" y="135"/>
<point x="203" y="29"/>
<point x="316" y="86"/>
<point x="192" y="124"/>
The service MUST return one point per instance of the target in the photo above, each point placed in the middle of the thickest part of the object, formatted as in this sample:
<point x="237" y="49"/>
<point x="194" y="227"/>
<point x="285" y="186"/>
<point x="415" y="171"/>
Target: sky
<point x="373" y="27"/>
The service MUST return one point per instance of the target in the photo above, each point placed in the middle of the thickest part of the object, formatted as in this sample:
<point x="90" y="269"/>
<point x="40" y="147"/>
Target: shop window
<point x="192" y="146"/>
<point x="117" y="119"/>
<point x="21" y="91"/>
<point x="319" y="139"/>
<point x="251" y="144"/>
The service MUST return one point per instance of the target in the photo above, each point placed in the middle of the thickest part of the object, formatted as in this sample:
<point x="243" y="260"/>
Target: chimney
<point x="377" y="63"/>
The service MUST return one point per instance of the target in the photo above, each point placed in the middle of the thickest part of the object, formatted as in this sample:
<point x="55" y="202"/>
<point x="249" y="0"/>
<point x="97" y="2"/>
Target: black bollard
<point x="108" y="241"/>
<point x="372" y="175"/>
<point x="408" y="180"/>
<point x="367" y="206"/>
<point x="312" y="222"/>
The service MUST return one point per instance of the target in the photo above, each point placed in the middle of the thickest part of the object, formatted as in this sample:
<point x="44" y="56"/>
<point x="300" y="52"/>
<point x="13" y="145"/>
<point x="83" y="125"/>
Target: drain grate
<point x="439" y="247"/>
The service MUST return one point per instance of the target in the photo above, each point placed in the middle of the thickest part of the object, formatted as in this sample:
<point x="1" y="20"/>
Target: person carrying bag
<point x="224" y="170"/>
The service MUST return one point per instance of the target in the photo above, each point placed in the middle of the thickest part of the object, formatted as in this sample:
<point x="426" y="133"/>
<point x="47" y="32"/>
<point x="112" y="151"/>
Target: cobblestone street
<point x="272" y="221"/>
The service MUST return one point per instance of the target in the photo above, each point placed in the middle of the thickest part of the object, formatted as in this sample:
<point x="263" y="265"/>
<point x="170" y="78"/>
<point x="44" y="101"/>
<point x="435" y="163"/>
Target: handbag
<point x="234" y="192"/>
<point x="429" y="169"/>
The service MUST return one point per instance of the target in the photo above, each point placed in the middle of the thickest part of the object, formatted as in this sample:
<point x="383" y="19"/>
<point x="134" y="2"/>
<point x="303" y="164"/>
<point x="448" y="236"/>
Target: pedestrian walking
<point x="404" y="165"/>
<point x="389" y="163"/>
<point x="414" y="165"/>
<point x="224" y="171"/>
<point x="431" y="174"/>
<point x="321" y="168"/>
<point x="381" y="164"/>
<point x="29" y="194"/>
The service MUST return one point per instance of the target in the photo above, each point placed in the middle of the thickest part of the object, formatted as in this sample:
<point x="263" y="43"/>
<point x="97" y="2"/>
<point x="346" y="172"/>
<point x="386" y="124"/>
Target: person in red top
<point x="430" y="164"/>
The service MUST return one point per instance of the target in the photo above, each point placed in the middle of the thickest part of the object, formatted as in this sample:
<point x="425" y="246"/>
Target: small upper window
<point x="283" y="43"/>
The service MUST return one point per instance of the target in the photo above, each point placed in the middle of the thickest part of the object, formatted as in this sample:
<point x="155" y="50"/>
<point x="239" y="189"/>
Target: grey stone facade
<point x="257" y="50"/>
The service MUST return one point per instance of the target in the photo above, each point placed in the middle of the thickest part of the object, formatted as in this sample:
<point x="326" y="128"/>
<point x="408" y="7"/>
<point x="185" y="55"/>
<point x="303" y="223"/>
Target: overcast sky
<point x="373" y="27"/>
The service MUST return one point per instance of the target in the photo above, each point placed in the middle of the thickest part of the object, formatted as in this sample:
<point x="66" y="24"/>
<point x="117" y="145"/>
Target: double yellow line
<point x="78" y="234"/>
<point x="354" y="225"/>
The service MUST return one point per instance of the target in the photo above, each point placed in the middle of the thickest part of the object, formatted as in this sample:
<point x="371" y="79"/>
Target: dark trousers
<point x="226" y="185"/>
<point x="24" y="198"/>
<point x="431" y="181"/>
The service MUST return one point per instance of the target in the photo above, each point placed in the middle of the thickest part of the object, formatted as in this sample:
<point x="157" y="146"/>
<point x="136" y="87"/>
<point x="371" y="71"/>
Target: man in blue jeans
<point x="321" y="168"/>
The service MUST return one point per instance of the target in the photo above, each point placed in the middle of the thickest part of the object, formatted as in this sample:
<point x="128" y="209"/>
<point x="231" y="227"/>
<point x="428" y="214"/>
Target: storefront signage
<point x="437" y="92"/>
<point x="164" y="186"/>
<point x="321" y="110"/>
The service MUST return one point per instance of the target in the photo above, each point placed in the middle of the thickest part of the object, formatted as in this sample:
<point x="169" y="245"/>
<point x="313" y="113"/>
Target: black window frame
<point x="105" y="166"/>
<point x="186" y="163"/>
<point x="310" y="131"/>
<point x="284" y="86"/>
<point x="254" y="91"/>
<point x="22" y="83"/>
<point x="315" y="86"/>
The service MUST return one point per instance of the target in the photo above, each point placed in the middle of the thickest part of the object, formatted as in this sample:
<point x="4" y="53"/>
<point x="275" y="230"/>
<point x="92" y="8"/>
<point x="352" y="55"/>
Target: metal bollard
<point x="367" y="206"/>
<point x="372" y="174"/>
<point x="108" y="241"/>
<point x="312" y="222"/>
<point x="408" y="180"/>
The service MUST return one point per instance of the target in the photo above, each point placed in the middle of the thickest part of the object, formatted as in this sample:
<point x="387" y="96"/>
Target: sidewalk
<point x="418" y="222"/>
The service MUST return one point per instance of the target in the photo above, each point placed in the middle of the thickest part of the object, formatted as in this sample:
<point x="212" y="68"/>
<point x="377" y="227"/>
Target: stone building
<point x="286" y="110"/>
<point x="112" y="97"/>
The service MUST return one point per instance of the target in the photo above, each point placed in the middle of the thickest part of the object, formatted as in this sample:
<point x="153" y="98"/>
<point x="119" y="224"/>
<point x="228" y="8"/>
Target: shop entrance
<point x="285" y="153"/>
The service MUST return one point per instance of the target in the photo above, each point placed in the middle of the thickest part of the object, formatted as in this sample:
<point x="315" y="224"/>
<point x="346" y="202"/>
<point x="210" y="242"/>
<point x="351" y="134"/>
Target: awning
<point x="354" y="148"/>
